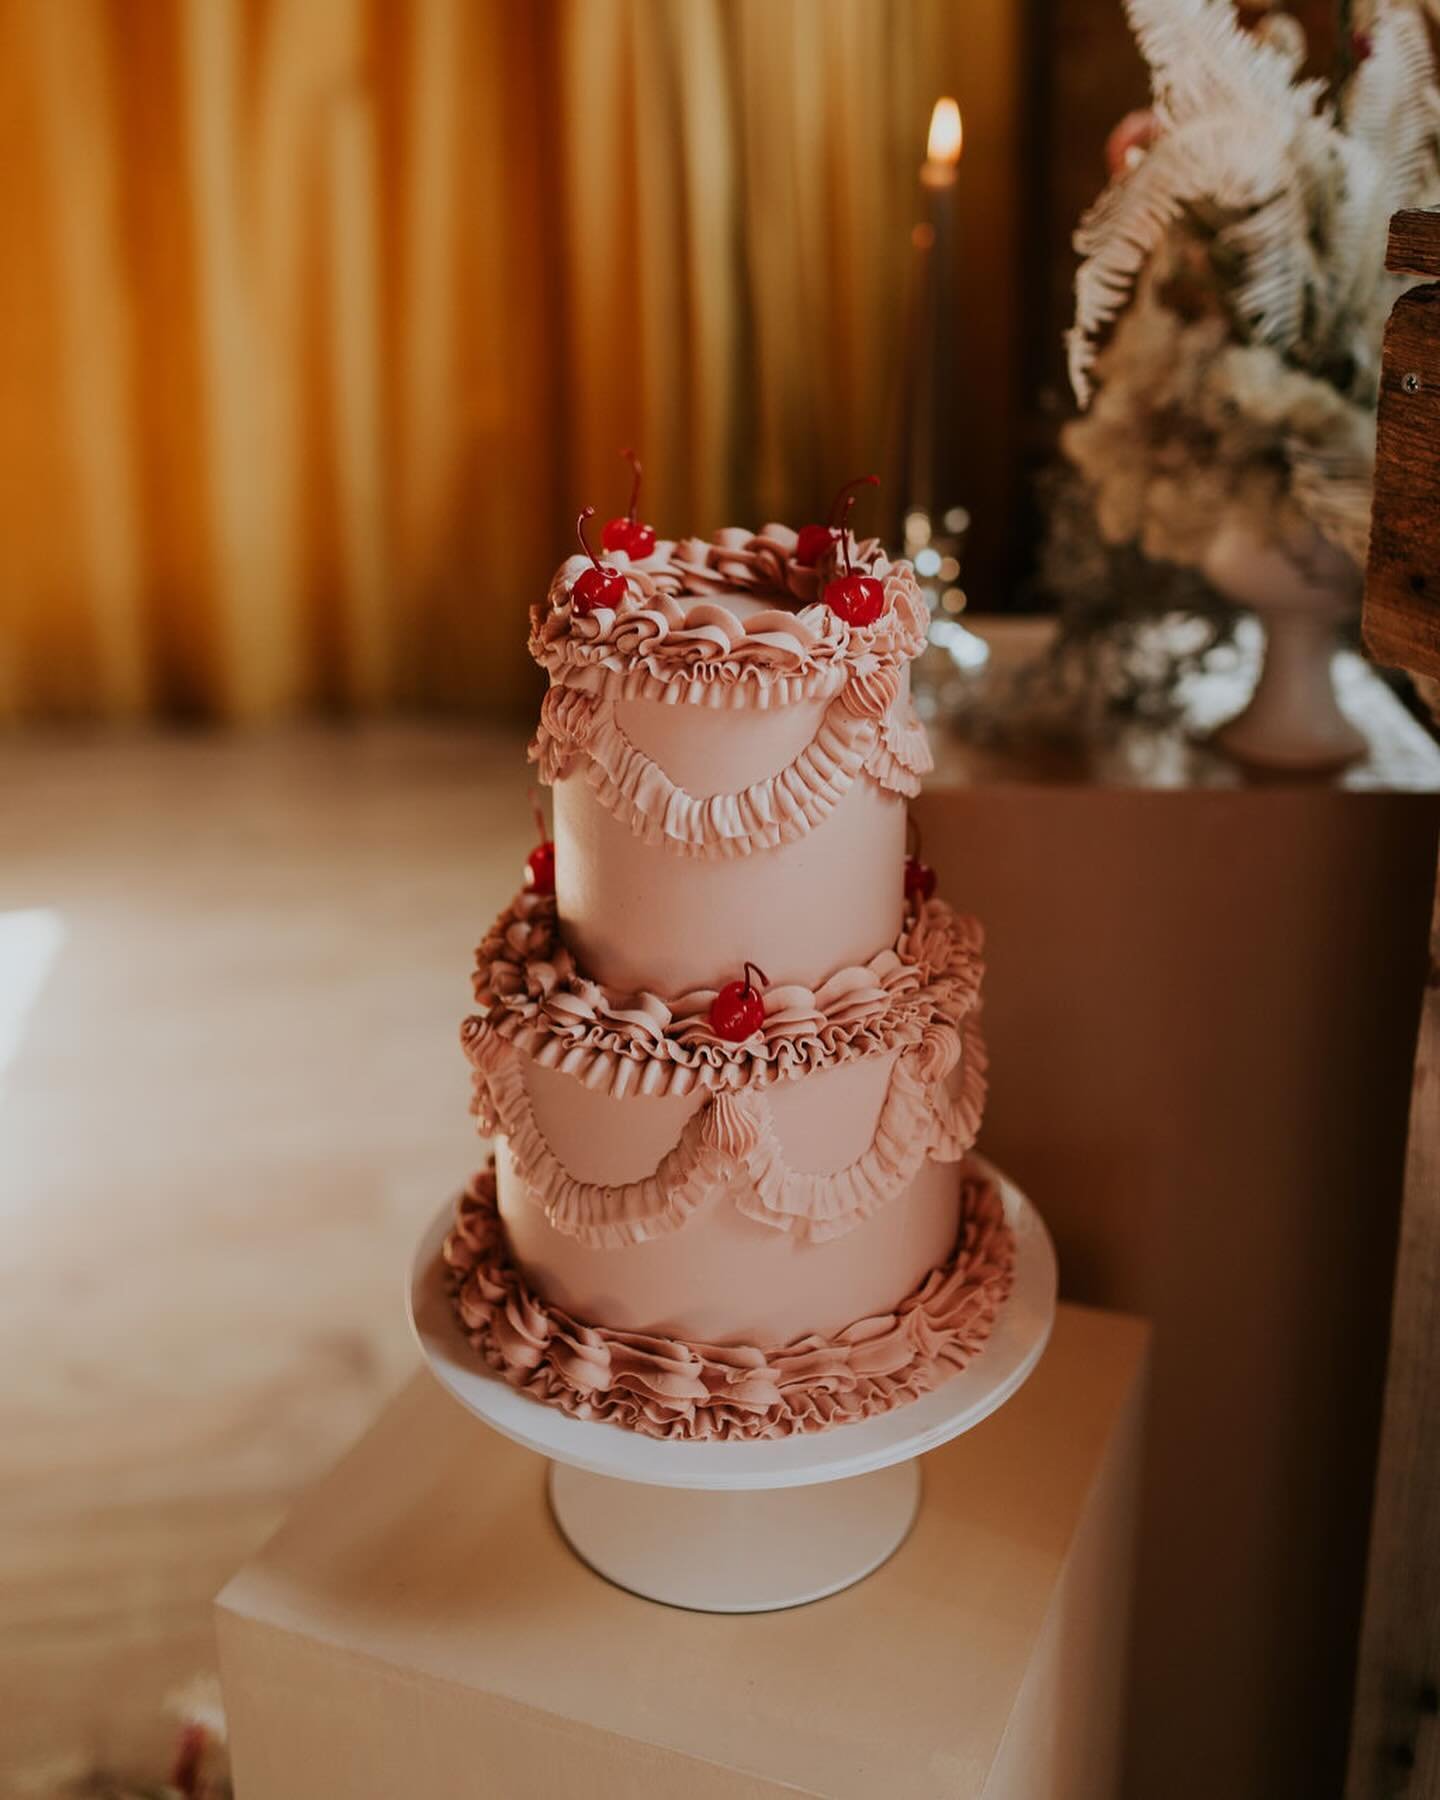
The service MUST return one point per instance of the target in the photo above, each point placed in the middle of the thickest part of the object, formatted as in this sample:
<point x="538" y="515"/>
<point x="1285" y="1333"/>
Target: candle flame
<point x="947" y="134"/>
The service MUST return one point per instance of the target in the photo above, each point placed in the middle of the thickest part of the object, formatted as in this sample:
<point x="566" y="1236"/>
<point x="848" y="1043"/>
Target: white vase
<point x="1301" y="595"/>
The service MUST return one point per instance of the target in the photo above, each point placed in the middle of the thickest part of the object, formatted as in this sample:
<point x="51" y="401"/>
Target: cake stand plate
<point x="722" y="1527"/>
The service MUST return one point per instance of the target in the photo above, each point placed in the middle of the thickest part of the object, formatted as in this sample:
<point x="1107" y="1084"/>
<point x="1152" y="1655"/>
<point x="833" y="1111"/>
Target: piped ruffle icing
<point x="917" y="1005"/>
<point x="668" y="1389"/>
<point x="730" y="1144"/>
<point x="529" y="992"/>
<point x="580" y="730"/>
<point x="674" y="639"/>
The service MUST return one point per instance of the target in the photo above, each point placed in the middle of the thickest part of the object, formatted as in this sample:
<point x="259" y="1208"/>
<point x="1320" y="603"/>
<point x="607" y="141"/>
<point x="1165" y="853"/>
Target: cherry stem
<point x="913" y="844"/>
<point x="845" y="534"/>
<point x="763" y="980"/>
<point x="634" y="462"/>
<point x="540" y="832"/>
<point x="588" y="513"/>
<point x="859" y="481"/>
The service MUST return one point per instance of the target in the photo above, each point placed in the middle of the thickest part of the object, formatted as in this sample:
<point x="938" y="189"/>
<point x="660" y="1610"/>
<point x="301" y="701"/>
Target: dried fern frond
<point x="1202" y="62"/>
<point x="1390" y="107"/>
<point x="1388" y="153"/>
<point x="1282" y="276"/>
<point x="1354" y="225"/>
<point x="1236" y="160"/>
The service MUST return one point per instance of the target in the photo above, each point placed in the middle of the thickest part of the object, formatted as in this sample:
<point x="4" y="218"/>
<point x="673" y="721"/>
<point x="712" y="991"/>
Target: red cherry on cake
<point x="919" y="876"/>
<point x="642" y="541"/>
<point x="540" y="863"/>
<point x="919" y="880"/>
<point x="540" y="869"/>
<point x="599" y="585"/>
<point x="858" y="599"/>
<point x="738" y="1010"/>
<point x="814" y="541"/>
<point x="630" y="534"/>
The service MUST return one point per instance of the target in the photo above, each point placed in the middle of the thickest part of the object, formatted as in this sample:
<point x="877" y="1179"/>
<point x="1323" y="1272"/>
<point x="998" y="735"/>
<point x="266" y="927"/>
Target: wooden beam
<point x="1414" y="247"/>
<point x="1395" y="1734"/>
<point x="1402" y="597"/>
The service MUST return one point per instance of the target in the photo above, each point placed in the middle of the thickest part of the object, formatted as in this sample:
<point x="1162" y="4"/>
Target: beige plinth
<point x="1201" y="1008"/>
<point x="417" y="1627"/>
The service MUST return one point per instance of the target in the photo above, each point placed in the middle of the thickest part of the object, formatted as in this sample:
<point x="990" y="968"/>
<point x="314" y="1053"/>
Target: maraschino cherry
<point x="599" y="585"/>
<point x="919" y="880"/>
<point x="738" y="1010"/>
<point x="630" y="534"/>
<point x="919" y="876"/>
<point x="815" y="540"/>
<point x="859" y="599"/>
<point x="540" y="863"/>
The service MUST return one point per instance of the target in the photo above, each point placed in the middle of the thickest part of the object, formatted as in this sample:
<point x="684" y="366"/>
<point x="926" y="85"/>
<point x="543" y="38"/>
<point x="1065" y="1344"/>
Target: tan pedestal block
<point x="1201" y="1008"/>
<point x="418" y="1628"/>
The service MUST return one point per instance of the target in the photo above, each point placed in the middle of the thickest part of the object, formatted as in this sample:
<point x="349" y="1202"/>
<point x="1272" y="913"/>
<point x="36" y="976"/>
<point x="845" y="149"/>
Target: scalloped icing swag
<point x="577" y="726"/>
<point x="730" y="1143"/>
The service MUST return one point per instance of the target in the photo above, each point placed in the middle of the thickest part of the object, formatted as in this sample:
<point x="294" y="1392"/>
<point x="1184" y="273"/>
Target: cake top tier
<point x="734" y="616"/>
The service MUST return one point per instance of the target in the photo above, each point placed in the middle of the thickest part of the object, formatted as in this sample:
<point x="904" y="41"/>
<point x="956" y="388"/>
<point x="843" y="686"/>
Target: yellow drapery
<point x="319" y="318"/>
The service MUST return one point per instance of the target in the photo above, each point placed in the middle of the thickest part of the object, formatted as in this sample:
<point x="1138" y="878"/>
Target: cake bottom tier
<point x="669" y="1388"/>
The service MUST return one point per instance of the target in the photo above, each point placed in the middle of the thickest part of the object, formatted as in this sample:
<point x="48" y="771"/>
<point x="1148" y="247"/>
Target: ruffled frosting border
<point x="730" y="1145"/>
<point x="916" y="1006"/>
<point x="529" y="992"/>
<point x="673" y="638"/>
<point x="666" y="1388"/>
<point x="863" y="731"/>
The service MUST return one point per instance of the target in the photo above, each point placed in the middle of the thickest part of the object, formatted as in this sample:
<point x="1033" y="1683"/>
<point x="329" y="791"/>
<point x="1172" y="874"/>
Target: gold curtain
<point x="320" y="318"/>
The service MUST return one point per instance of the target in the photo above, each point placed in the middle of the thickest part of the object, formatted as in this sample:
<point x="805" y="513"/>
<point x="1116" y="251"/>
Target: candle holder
<point x="943" y="677"/>
<point x="932" y="527"/>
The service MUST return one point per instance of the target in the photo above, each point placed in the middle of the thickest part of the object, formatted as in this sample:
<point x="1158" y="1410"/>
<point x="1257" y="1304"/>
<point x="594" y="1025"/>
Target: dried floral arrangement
<point x="1230" y="305"/>
<point x="1237" y="258"/>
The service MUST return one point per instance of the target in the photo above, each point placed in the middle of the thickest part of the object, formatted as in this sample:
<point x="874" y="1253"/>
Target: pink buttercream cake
<point x="685" y="1232"/>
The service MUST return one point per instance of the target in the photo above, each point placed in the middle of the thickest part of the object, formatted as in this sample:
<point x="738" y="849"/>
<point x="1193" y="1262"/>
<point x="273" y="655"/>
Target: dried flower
<point x="1232" y="297"/>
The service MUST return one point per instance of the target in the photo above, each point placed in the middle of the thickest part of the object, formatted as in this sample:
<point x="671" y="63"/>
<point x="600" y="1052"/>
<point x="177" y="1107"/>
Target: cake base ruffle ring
<point x="667" y="1389"/>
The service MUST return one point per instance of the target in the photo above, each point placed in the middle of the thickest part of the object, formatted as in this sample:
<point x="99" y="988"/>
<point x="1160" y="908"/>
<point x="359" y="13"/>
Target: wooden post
<point x="1395" y="1733"/>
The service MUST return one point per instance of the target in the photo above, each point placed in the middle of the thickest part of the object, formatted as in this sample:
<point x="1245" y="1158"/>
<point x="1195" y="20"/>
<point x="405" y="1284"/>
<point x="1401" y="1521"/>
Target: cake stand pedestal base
<point x="763" y="1550"/>
<point x="750" y="1524"/>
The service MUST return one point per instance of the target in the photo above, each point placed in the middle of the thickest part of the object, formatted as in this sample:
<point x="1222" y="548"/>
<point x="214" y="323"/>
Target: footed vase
<point x="1302" y="595"/>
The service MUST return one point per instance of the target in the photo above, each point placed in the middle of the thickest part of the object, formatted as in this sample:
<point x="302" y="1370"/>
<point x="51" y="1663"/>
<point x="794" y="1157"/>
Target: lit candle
<point x="927" y="407"/>
<point x="943" y="146"/>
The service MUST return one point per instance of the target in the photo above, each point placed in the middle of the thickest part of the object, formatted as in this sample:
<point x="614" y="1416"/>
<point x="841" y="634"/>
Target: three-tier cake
<point x="727" y="1041"/>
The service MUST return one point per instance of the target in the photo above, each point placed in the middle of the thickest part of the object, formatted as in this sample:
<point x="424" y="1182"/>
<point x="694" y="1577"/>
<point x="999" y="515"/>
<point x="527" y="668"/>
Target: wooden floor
<point x="234" y="1101"/>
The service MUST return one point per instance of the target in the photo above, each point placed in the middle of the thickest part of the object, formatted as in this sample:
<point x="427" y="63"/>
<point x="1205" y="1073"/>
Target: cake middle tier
<point x="655" y="1176"/>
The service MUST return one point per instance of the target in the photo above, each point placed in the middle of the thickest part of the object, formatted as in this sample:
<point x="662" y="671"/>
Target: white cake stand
<point x="725" y="1527"/>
